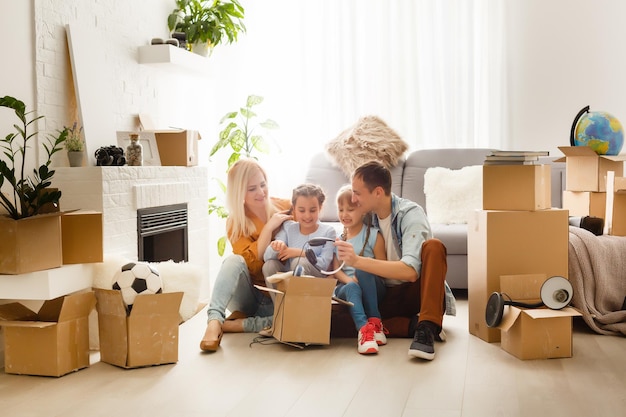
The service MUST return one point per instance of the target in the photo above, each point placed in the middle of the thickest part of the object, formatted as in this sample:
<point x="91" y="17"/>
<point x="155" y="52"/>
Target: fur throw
<point x="369" y="139"/>
<point x="177" y="277"/>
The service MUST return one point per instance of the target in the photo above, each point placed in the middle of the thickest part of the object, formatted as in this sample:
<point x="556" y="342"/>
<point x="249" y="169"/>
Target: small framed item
<point x="147" y="141"/>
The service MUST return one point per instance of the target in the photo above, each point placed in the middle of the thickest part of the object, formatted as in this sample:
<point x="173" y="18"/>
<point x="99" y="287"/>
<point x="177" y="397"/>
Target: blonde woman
<point x="253" y="220"/>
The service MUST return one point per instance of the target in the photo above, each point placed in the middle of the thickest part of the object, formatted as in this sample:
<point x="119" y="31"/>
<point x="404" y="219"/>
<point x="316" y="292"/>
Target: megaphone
<point x="556" y="293"/>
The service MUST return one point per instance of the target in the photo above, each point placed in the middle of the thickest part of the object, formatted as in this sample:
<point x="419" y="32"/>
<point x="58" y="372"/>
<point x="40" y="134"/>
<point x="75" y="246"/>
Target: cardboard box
<point x="517" y="187"/>
<point x="511" y="243"/>
<point x="585" y="170"/>
<point x="148" y="336"/>
<point x="585" y="203"/>
<point x="177" y="147"/>
<point x="82" y="237"/>
<point x="539" y="333"/>
<point x="617" y="225"/>
<point x="52" y="342"/>
<point x="302" y="308"/>
<point x="30" y="244"/>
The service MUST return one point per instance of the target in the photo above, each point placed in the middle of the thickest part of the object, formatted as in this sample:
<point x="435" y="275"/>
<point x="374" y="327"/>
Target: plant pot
<point x="76" y="158"/>
<point x="201" y="48"/>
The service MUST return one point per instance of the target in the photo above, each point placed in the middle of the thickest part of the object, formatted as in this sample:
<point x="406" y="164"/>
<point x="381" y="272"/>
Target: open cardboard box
<point x="30" y="244"/>
<point x="302" y="309"/>
<point x="147" y="336"/>
<point x="585" y="170"/>
<point x="538" y="333"/>
<point x="52" y="342"/>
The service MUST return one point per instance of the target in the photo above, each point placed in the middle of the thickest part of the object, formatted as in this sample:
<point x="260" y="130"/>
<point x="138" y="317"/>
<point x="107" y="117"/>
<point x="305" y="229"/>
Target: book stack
<point x="514" y="157"/>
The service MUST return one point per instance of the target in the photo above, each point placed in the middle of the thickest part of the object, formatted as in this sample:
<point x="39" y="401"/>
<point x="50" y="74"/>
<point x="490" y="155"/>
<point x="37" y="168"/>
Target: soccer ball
<point x="135" y="279"/>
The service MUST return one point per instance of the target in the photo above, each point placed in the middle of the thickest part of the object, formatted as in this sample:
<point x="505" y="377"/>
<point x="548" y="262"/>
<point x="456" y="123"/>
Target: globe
<point x="599" y="130"/>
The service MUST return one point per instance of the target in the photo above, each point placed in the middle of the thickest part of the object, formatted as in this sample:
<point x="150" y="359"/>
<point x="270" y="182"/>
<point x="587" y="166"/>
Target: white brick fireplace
<point x="118" y="192"/>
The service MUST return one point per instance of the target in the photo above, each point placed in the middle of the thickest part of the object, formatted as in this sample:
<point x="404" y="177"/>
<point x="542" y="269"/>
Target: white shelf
<point x="171" y="58"/>
<point x="47" y="284"/>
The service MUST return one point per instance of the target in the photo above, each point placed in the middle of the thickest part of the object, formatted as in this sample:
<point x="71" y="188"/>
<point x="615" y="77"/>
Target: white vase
<point x="201" y="48"/>
<point x="76" y="158"/>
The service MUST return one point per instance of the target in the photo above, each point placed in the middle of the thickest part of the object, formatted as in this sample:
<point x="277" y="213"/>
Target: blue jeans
<point x="364" y="295"/>
<point x="233" y="290"/>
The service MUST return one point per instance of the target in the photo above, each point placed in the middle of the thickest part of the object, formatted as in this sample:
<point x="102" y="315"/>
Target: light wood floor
<point x="468" y="377"/>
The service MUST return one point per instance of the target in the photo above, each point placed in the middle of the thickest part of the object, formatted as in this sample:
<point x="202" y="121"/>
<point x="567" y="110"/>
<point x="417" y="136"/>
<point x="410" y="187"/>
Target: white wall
<point x="562" y="56"/>
<point x="17" y="75"/>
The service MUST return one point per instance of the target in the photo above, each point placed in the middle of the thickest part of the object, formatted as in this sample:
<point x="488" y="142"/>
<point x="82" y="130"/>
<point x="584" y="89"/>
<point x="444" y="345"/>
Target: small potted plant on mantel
<point x="206" y="24"/>
<point x="75" y="145"/>
<point x="30" y="239"/>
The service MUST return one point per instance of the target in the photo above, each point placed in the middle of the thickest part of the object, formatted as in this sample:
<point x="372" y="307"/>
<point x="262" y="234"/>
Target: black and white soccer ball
<point x="137" y="278"/>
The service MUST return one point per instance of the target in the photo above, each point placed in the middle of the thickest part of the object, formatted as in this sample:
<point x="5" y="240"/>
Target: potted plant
<point x="206" y="24"/>
<point x="28" y="242"/>
<point x="244" y="136"/>
<point x="29" y="194"/>
<point x="75" y="145"/>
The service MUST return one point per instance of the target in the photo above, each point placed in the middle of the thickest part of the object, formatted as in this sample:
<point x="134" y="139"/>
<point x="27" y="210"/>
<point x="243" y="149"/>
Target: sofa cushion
<point x="453" y="236"/>
<point x="369" y="139"/>
<point x="324" y="173"/>
<point x="453" y="194"/>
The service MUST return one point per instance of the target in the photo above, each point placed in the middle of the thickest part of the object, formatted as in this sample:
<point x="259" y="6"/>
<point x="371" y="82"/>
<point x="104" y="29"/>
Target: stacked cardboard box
<point x="586" y="182"/>
<point x="517" y="233"/>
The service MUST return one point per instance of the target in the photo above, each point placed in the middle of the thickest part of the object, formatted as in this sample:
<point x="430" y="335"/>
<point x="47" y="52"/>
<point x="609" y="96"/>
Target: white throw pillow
<point x="452" y="195"/>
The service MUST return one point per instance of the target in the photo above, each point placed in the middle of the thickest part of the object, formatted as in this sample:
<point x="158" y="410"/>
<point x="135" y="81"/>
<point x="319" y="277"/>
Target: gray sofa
<point x="408" y="182"/>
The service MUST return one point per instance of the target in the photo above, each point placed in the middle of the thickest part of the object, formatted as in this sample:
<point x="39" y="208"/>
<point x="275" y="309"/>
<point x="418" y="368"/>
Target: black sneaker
<point x="439" y="336"/>
<point x="423" y="345"/>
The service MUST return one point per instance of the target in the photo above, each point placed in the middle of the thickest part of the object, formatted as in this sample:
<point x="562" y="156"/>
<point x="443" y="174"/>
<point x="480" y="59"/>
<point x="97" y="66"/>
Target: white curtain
<point x="432" y="69"/>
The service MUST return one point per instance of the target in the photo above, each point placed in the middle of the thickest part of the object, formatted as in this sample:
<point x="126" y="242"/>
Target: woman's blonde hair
<point x="238" y="224"/>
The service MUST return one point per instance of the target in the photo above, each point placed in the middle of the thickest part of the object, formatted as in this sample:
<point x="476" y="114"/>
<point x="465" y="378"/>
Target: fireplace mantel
<point x="118" y="192"/>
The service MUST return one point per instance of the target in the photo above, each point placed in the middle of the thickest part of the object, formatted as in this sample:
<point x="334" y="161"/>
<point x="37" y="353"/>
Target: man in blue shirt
<point x="412" y="255"/>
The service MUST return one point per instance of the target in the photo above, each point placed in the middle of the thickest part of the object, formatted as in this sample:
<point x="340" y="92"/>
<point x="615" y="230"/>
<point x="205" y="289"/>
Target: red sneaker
<point x="380" y="333"/>
<point x="366" y="343"/>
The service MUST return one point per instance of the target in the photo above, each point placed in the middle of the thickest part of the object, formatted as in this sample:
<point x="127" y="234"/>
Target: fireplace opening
<point x="162" y="233"/>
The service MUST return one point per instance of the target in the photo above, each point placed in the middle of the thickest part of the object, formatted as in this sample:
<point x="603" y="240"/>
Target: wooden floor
<point x="468" y="377"/>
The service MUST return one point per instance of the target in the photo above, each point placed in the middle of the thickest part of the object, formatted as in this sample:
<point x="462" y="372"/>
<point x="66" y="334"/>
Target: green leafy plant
<point x="245" y="137"/>
<point x="74" y="141"/>
<point x="209" y="22"/>
<point x="29" y="194"/>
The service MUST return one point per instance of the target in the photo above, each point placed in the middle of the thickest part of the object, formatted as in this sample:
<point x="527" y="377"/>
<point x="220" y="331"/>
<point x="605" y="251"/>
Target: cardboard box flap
<point x="525" y="287"/>
<point x="543" y="313"/>
<point x="77" y="305"/>
<point x="29" y="324"/>
<point x="16" y="311"/>
<point x="50" y="309"/>
<point x="299" y="286"/>
<point x="110" y="302"/>
<point x="509" y="318"/>
<point x="165" y="303"/>
<point x="586" y="151"/>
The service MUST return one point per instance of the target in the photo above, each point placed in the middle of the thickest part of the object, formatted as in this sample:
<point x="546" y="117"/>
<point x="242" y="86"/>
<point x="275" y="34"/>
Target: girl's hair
<point x="238" y="224"/>
<point x="308" y="190"/>
<point x="345" y="195"/>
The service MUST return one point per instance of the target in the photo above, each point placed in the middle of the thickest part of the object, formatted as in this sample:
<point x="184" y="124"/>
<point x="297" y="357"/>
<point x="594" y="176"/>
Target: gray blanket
<point x="597" y="271"/>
